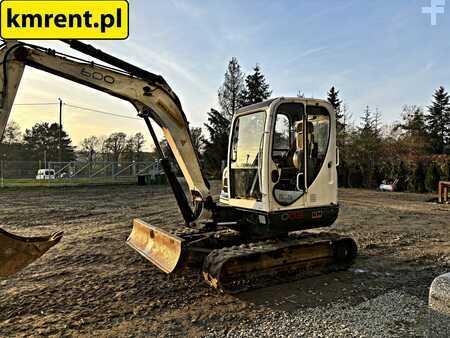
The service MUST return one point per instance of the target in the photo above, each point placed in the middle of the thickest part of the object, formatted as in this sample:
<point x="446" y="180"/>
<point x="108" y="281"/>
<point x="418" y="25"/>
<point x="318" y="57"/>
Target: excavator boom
<point x="147" y="92"/>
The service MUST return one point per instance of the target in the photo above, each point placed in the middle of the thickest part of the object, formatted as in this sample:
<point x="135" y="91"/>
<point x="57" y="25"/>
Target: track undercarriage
<point x="233" y="263"/>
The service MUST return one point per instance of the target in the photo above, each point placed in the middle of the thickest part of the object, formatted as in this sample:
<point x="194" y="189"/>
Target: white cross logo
<point x="436" y="7"/>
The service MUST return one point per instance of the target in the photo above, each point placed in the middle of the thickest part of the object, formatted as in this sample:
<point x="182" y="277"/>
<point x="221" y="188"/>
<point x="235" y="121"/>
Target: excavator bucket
<point x="159" y="246"/>
<point x="17" y="252"/>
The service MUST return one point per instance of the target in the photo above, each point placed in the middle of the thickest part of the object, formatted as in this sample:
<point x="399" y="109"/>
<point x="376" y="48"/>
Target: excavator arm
<point x="147" y="92"/>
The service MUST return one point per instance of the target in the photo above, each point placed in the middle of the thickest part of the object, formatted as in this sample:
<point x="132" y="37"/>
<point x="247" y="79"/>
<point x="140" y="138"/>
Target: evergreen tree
<point x="377" y="122"/>
<point x="333" y="98"/>
<point x="414" y="136"/>
<point x="357" y="177"/>
<point x="448" y="170"/>
<point x="432" y="177"/>
<point x="198" y="140"/>
<point x="11" y="146"/>
<point x="413" y="121"/>
<point x="367" y="146"/>
<point x="402" y="176"/>
<point x="445" y="170"/>
<point x="231" y="98"/>
<point x="378" y="175"/>
<point x="369" y="124"/>
<point x="231" y="93"/>
<point x="216" y="147"/>
<point x="438" y="121"/>
<point x="419" y="178"/>
<point x="256" y="87"/>
<point x="44" y="137"/>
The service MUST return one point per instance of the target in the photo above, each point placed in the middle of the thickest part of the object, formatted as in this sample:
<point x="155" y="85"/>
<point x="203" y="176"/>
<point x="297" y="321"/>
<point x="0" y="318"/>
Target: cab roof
<point x="265" y="104"/>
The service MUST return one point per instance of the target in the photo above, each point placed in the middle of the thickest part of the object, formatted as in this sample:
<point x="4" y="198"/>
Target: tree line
<point x="42" y="141"/>
<point x="413" y="152"/>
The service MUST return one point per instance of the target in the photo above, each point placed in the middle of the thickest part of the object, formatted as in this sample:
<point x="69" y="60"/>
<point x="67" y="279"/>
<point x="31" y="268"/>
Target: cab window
<point x="245" y="156"/>
<point x="282" y="135"/>
<point x="318" y="138"/>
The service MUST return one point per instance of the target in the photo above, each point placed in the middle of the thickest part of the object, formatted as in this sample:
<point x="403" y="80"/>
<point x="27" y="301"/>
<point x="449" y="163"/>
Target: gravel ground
<point x="393" y="314"/>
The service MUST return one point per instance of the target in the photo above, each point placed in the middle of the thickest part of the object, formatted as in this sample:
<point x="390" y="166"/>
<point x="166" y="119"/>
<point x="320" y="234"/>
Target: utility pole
<point x="60" y="131"/>
<point x="45" y="163"/>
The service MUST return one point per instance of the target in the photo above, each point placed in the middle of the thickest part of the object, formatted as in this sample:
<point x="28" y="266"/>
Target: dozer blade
<point x="17" y="252"/>
<point x="159" y="246"/>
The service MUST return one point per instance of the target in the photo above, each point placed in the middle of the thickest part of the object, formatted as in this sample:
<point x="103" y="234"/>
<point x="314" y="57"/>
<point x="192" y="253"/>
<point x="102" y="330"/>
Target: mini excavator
<point x="280" y="178"/>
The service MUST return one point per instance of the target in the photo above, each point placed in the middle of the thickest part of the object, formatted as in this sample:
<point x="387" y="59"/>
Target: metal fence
<point x="23" y="170"/>
<point x="76" y="169"/>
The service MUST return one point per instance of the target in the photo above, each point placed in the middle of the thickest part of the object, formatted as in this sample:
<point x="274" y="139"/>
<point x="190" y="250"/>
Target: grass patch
<point x="67" y="182"/>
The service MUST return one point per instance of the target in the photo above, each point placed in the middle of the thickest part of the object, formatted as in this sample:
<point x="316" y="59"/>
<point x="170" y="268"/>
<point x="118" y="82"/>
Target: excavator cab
<point x="282" y="164"/>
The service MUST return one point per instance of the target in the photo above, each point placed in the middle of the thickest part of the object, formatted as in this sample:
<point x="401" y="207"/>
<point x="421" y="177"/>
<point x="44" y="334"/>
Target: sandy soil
<point x="92" y="283"/>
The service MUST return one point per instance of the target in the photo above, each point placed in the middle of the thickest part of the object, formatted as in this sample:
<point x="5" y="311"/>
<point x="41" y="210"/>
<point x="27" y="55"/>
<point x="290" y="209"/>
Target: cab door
<point x="300" y="167"/>
<point x="287" y="164"/>
<point x="320" y="157"/>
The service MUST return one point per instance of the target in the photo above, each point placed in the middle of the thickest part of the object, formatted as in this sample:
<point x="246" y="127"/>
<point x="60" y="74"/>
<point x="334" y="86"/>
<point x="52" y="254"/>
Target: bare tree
<point x="138" y="144"/>
<point x="134" y="146"/>
<point x="115" y="145"/>
<point x="12" y="133"/>
<point x="90" y="146"/>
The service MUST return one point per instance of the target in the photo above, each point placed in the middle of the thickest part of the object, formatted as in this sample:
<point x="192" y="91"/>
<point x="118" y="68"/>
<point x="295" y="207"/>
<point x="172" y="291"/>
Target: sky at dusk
<point x="379" y="53"/>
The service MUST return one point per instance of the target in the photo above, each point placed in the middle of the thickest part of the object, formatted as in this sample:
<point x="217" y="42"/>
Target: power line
<point x="102" y="112"/>
<point x="80" y="108"/>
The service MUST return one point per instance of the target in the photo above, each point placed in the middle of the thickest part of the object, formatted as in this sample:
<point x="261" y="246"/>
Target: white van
<point x="45" y="174"/>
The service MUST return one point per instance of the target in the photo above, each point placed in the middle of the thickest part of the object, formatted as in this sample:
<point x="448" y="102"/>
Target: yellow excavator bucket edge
<point x="17" y="252"/>
<point x="157" y="245"/>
